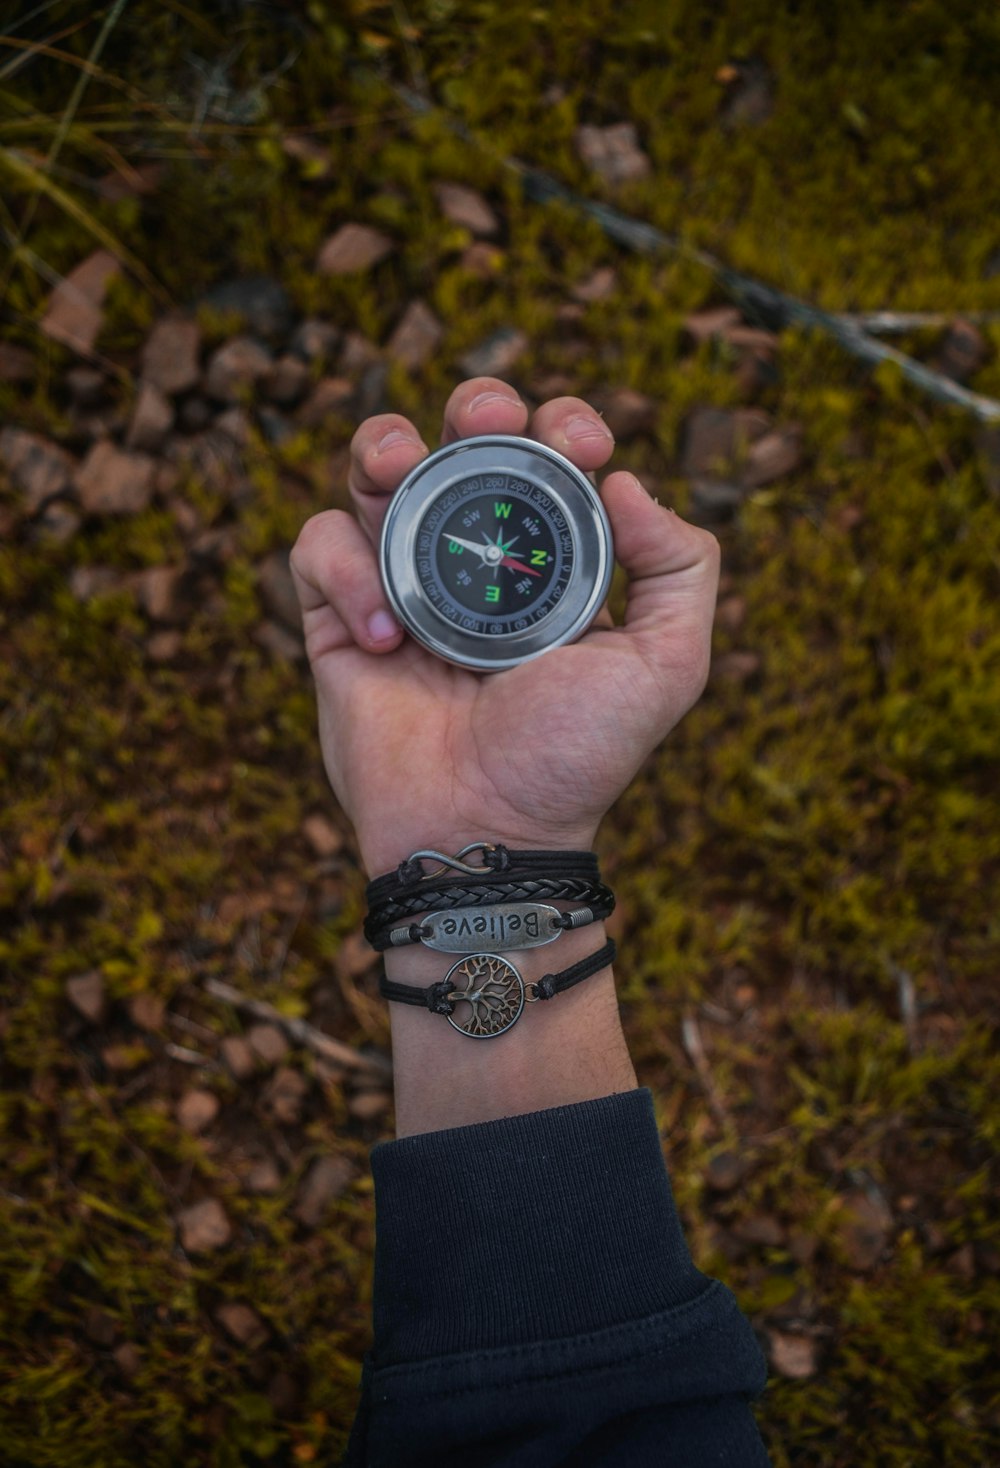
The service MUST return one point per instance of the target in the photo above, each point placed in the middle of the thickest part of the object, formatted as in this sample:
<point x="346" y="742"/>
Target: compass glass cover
<point x="494" y="554"/>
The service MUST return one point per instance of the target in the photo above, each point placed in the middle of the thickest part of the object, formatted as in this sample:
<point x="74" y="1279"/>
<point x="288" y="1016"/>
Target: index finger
<point x="383" y="451"/>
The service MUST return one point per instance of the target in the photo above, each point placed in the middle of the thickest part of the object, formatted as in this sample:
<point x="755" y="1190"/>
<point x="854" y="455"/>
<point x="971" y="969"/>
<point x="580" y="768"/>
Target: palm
<point x="544" y="746"/>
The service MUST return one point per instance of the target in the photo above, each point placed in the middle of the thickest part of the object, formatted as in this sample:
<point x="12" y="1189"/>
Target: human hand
<point x="420" y="753"/>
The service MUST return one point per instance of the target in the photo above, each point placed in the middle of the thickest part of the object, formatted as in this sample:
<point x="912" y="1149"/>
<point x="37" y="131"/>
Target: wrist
<point x="383" y="850"/>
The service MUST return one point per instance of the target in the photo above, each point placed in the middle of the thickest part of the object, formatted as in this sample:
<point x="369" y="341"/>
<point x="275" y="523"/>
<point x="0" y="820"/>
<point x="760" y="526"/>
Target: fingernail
<point x="382" y="626"/>
<point x="395" y="436"/>
<point x="494" y="397"/>
<point x="578" y="429"/>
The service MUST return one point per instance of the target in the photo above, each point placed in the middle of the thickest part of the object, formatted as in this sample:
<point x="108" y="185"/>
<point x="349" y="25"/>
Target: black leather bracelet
<point x="470" y="893"/>
<point x="494" y="993"/>
<point x="498" y="861"/>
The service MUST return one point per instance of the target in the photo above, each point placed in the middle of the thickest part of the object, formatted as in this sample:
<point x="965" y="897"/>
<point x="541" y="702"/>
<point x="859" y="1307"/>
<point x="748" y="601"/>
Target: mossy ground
<point x="819" y="841"/>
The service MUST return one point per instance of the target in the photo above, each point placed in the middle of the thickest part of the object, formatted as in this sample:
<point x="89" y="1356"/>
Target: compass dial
<point x="494" y="550"/>
<point x="494" y="554"/>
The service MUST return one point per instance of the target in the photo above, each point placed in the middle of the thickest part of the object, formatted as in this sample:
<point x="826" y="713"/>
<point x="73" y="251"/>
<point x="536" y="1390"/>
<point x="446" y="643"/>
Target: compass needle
<point x="511" y="493"/>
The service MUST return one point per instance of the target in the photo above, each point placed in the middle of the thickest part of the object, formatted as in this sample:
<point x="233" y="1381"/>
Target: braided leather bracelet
<point x="494" y="991"/>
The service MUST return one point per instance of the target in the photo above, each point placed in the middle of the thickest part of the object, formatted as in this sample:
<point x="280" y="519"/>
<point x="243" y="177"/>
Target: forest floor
<point x="234" y="245"/>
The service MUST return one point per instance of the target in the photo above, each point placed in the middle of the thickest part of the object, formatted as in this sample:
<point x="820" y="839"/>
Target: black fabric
<point x="535" y="1304"/>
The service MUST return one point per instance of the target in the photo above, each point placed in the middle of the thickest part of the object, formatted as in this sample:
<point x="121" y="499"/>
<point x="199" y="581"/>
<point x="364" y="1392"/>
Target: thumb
<point x="673" y="571"/>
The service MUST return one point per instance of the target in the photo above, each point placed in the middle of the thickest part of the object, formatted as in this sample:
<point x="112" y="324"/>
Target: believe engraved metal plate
<point x="501" y="928"/>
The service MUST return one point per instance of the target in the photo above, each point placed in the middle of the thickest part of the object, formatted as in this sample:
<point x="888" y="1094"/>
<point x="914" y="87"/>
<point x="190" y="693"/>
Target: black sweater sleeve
<point x="535" y="1304"/>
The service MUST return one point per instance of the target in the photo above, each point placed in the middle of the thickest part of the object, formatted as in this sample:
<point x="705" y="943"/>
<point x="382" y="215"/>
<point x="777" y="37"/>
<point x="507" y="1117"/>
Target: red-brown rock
<point x="74" y="315"/>
<point x="113" y="482"/>
<point x="416" y="338"/>
<point x="38" y="468"/>
<point x="170" y="355"/>
<point x="468" y="208"/>
<point x="613" y="153"/>
<point x="354" y="247"/>
<point x="204" y="1226"/>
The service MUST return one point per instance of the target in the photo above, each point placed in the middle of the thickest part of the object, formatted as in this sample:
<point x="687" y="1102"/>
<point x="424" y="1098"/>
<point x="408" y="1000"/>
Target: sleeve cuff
<point x="526" y="1228"/>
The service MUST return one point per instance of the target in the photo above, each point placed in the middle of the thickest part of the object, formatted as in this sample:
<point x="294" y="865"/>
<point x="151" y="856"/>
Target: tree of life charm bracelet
<point x="483" y="994"/>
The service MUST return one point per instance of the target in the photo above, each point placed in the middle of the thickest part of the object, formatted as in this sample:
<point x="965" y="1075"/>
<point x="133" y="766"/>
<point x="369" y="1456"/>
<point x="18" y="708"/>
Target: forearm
<point x="567" y="1049"/>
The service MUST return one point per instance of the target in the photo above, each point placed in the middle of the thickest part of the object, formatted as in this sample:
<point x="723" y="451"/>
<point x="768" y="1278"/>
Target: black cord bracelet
<point x="385" y="916"/>
<point x="498" y="861"/>
<point x="494" y="990"/>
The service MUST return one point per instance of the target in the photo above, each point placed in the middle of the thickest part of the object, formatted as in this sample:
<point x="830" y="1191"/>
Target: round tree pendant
<point x="488" y="994"/>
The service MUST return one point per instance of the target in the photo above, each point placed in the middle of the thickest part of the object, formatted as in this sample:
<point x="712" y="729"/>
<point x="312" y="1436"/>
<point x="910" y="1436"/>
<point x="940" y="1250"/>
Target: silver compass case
<point x="537" y="477"/>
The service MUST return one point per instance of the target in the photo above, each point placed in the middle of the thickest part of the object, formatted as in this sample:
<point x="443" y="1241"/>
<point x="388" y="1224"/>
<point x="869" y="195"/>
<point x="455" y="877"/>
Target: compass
<point x="494" y="550"/>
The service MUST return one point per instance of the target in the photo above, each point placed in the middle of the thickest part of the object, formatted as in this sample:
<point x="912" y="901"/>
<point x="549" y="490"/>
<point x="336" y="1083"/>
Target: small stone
<point x="242" y="1324"/>
<point x="467" y="207"/>
<point x="725" y="1172"/>
<point x="865" y="1225"/>
<point x="326" y="1179"/>
<point x="86" y="387"/>
<point x="86" y="994"/>
<point x="482" y="260"/>
<point x="238" y="1057"/>
<point x="16" y="363"/>
<point x="277" y="588"/>
<point x="113" y="482"/>
<point x="234" y="423"/>
<point x="285" y="1095"/>
<point x="372" y="391"/>
<point x="702" y="326"/>
<point x="330" y="398"/>
<point x="147" y="1011"/>
<point x="495" y="356"/>
<point x="57" y="523"/>
<point x="613" y="153"/>
<point x="237" y="368"/>
<point x="86" y="582"/>
<point x="127" y="1358"/>
<point x="773" y="456"/>
<point x="628" y="413"/>
<point x="197" y="1109"/>
<point x="283" y="646"/>
<point x="793" y="1356"/>
<point x="288" y="381"/>
<point x="322" y="835"/>
<point x="204" y="1226"/>
<point x="597" y="287"/>
<point x="163" y="647"/>
<point x="75" y="310"/>
<point x="38" y="468"/>
<point x="367" y="1105"/>
<point x="170" y="356"/>
<point x="715" y="500"/>
<point x="731" y="612"/>
<point x="416" y="338"/>
<point x="353" y="247"/>
<point x="358" y="355"/>
<point x="315" y="340"/>
<point x="262" y="302"/>
<point x="713" y="438"/>
<point x="152" y="419"/>
<point x="749" y="96"/>
<point x="264" y="1176"/>
<point x="274" y="426"/>
<point x="737" y="667"/>
<point x="961" y="352"/>
<point x="156" y="592"/>
<point x="761" y="1229"/>
<point x="268" y="1043"/>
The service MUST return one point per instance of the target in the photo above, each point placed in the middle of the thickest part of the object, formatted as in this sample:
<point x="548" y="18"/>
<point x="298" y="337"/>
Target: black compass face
<point x="494" y="554"/>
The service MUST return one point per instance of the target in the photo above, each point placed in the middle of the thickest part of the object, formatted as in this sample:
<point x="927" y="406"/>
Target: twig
<point x="907" y="1005"/>
<point x="301" y="1031"/>
<point x="887" y="323"/>
<point x="767" y="304"/>
<point x="186" y="1056"/>
<point x="695" y="1051"/>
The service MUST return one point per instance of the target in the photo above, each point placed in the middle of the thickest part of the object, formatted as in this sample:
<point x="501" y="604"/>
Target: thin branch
<point x="774" y="308"/>
<point x="695" y="1051"/>
<point x="301" y="1031"/>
